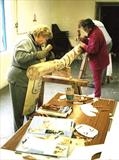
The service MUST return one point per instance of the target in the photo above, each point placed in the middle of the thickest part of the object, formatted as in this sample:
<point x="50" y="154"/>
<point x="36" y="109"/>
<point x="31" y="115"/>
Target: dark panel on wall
<point x="108" y="13"/>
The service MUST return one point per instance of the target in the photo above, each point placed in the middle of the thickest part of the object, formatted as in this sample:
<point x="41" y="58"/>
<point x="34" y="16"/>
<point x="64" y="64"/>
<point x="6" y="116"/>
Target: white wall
<point x="65" y="13"/>
<point x="5" y="62"/>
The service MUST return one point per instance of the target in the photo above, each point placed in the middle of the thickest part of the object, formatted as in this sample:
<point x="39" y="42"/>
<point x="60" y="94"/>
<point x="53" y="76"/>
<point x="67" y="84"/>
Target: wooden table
<point x="101" y="121"/>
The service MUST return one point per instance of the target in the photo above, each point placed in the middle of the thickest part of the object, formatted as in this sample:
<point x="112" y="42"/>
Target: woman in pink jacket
<point x="97" y="52"/>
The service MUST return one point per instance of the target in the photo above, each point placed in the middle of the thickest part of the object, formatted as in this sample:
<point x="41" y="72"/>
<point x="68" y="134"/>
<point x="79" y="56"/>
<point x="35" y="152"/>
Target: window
<point x="3" y="44"/>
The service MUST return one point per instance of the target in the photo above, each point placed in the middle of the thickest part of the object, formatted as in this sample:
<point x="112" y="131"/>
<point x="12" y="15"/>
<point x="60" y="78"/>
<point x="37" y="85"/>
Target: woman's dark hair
<point x="86" y="23"/>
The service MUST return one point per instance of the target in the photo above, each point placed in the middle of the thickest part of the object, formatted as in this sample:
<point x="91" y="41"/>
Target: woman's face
<point x="87" y="30"/>
<point x="41" y="40"/>
<point x="81" y="33"/>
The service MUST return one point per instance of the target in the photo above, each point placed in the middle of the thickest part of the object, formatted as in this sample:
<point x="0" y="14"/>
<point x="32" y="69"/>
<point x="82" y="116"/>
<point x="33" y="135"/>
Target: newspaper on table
<point x="47" y="136"/>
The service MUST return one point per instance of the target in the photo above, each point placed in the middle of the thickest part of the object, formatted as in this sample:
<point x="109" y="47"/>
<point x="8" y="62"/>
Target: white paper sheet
<point x="88" y="109"/>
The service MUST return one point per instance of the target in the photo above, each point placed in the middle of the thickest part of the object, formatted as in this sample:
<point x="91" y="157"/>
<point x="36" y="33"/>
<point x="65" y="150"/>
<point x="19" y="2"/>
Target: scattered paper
<point x="86" y="130"/>
<point x="88" y="109"/>
<point x="62" y="97"/>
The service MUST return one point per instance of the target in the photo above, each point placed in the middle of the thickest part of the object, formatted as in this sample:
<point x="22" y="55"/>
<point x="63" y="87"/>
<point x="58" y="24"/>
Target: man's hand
<point x="43" y="53"/>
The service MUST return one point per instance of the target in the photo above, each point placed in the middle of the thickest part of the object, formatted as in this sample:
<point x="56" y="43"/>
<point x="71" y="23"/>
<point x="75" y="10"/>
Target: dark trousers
<point x="18" y="95"/>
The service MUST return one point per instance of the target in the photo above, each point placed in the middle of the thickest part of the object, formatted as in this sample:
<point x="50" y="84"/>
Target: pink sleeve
<point x="93" y="44"/>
